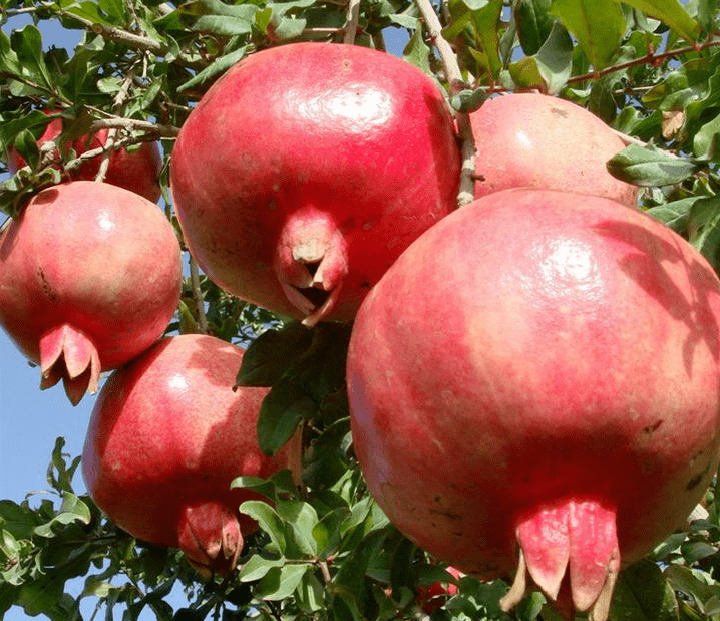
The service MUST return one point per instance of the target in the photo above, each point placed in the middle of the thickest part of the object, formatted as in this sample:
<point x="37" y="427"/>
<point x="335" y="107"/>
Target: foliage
<point x="649" y="68"/>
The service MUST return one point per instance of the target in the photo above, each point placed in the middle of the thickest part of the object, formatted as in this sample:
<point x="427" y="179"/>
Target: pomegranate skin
<point x="539" y="141"/>
<point x="166" y="438"/>
<point x="539" y="371"/>
<point x="71" y="294"/>
<point x="135" y="170"/>
<point x="306" y="170"/>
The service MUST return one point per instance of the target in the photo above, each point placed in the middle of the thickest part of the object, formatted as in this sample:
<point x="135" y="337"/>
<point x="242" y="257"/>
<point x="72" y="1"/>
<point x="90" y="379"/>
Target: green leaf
<point x="268" y="520"/>
<point x="599" y="26"/>
<point x="272" y="353"/>
<point x="672" y="13"/>
<point x="257" y="567"/>
<point x="551" y="67"/>
<point x="302" y="518"/>
<point x="643" y="594"/>
<point x="416" y="52"/>
<point x="281" y="582"/>
<point x="27" y="43"/>
<point x="674" y="214"/>
<point x="533" y="23"/>
<point x="310" y="594"/>
<point x="704" y="229"/>
<point x="649" y="166"/>
<point x="707" y="140"/>
<point x="72" y="510"/>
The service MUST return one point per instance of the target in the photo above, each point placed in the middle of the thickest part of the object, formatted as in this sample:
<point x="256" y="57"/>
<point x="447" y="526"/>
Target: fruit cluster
<point x="560" y="420"/>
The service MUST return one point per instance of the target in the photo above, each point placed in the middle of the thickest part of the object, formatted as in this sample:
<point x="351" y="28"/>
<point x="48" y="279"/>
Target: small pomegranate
<point x="534" y="387"/>
<point x="433" y="597"/>
<point x="136" y="170"/>
<point x="90" y="275"/>
<point x="167" y="436"/>
<point x="306" y="170"/>
<point x="544" y="142"/>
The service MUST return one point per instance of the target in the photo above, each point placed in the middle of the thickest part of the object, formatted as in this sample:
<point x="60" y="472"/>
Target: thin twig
<point x="118" y="101"/>
<point x="648" y="59"/>
<point x="197" y="295"/>
<point x="466" y="191"/>
<point x="156" y="129"/>
<point x="352" y="20"/>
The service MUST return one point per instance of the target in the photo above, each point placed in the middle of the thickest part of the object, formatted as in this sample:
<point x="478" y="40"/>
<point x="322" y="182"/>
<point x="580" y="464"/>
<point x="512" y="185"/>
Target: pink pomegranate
<point x="534" y="385"/>
<point x="539" y="141"/>
<point x="90" y="275"/>
<point x="136" y="170"/>
<point x="167" y="437"/>
<point x="307" y="169"/>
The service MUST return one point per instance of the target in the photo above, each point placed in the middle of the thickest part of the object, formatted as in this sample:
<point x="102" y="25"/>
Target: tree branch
<point x="466" y="192"/>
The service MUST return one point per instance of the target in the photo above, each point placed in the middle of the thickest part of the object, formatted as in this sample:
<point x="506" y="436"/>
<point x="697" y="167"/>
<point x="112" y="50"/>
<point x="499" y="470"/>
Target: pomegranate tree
<point x="544" y="142"/>
<point x="71" y="294"/>
<point x="167" y="436"/>
<point x="136" y="170"/>
<point x="305" y="171"/>
<point x="534" y="388"/>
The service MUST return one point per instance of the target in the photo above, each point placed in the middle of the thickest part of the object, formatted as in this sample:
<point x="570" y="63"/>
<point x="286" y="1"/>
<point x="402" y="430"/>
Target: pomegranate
<point x="534" y="385"/>
<point x="167" y="436"/>
<point x="136" y="170"/>
<point x="543" y="142"/>
<point x="90" y="275"/>
<point x="306" y="170"/>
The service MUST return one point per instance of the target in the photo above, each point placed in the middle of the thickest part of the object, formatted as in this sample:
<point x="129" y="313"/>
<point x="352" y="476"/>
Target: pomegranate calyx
<point x="575" y="535"/>
<point x="68" y="354"/>
<point x="209" y="534"/>
<point x="311" y="262"/>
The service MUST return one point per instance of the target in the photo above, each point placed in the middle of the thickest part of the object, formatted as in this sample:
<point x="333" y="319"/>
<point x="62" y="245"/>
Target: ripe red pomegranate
<point x="433" y="597"/>
<point x="90" y="275"/>
<point x="167" y="436"/>
<point x="540" y="141"/>
<point x="136" y="170"/>
<point x="307" y="169"/>
<point x="539" y="372"/>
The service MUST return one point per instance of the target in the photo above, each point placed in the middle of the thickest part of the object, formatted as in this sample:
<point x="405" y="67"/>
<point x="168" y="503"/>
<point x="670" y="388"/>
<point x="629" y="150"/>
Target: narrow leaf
<point x="672" y="13"/>
<point x="280" y="583"/>
<point x="648" y="166"/>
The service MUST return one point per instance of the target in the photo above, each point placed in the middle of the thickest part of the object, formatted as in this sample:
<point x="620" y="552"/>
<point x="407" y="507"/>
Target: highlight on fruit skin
<point x="543" y="142"/>
<point x="338" y="163"/>
<point x="167" y="437"/>
<point x="136" y="170"/>
<point x="564" y="417"/>
<point x="70" y="298"/>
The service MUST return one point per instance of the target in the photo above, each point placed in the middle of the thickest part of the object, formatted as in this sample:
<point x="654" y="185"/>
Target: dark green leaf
<point x="218" y="66"/>
<point x="272" y="353"/>
<point x="285" y="406"/>
<point x="649" y="166"/>
<point x="643" y="594"/>
<point x="533" y="23"/>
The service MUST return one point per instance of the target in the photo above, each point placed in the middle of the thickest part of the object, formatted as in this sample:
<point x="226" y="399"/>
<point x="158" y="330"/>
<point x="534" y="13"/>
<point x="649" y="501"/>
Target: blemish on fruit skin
<point x="47" y="289"/>
<point x="559" y="112"/>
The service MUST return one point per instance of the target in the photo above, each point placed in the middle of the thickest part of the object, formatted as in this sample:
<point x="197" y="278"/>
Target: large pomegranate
<point x="305" y="171"/>
<point x="167" y="436"/>
<point x="543" y="142"/>
<point x="539" y="371"/>
<point x="90" y="275"/>
<point x="136" y="170"/>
